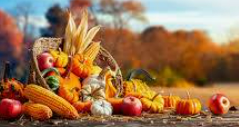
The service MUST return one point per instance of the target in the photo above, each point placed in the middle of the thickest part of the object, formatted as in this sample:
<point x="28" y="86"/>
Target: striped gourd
<point x="46" y="97"/>
<point x="37" y="111"/>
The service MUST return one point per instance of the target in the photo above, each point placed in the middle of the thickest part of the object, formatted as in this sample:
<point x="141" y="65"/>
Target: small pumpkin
<point x="60" y="58"/>
<point x="170" y="101"/>
<point x="153" y="105"/>
<point x="101" y="108"/>
<point x="188" y="106"/>
<point x="116" y="104"/>
<point x="136" y="87"/>
<point x="81" y="66"/>
<point x="83" y="107"/>
<point x="71" y="95"/>
<point x="10" y="87"/>
<point x="92" y="92"/>
<point x="94" y="87"/>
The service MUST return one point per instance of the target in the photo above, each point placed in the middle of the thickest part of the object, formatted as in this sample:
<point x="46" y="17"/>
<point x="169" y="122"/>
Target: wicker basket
<point x="104" y="59"/>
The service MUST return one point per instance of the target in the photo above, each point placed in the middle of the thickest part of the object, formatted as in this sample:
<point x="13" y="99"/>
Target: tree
<point x="11" y="38"/>
<point x="57" y="18"/>
<point x="11" y="48"/>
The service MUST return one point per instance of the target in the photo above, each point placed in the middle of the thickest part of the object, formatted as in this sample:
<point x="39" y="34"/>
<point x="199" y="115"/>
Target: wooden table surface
<point x="163" y="120"/>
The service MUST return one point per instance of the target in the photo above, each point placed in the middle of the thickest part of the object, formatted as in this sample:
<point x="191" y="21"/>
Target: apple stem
<point x="68" y="69"/>
<point x="188" y="94"/>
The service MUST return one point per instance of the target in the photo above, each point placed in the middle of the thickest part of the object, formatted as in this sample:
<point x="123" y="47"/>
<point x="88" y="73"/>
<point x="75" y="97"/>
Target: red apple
<point x="131" y="106"/>
<point x="10" y="108"/>
<point x="219" y="104"/>
<point x="45" y="60"/>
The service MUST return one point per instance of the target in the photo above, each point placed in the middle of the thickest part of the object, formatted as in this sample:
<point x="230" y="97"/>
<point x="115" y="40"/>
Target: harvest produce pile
<point x="71" y="83"/>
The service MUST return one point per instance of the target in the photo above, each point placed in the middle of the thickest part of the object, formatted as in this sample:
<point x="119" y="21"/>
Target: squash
<point x="153" y="105"/>
<point x="60" y="58"/>
<point x="94" y="86"/>
<point x="52" y="81"/>
<point x="136" y="87"/>
<point x="101" y="108"/>
<point x="170" y="101"/>
<point x="92" y="92"/>
<point x="83" y="107"/>
<point x="71" y="95"/>
<point x="188" y="106"/>
<point x="10" y="87"/>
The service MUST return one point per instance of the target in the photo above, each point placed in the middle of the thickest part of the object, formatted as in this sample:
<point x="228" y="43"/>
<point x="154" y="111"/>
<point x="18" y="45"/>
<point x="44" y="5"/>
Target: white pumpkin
<point x="94" y="86"/>
<point x="92" y="92"/>
<point x="101" y="108"/>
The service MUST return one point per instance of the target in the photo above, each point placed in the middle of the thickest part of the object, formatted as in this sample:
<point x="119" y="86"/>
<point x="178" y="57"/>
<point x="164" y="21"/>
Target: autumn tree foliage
<point x="188" y="54"/>
<point x="11" y="39"/>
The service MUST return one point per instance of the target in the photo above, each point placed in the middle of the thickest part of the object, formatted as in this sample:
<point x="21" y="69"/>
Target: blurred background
<point x="182" y="43"/>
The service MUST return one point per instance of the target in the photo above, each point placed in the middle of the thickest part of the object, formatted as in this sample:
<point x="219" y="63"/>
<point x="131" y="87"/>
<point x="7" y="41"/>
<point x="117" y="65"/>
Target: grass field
<point x="231" y="90"/>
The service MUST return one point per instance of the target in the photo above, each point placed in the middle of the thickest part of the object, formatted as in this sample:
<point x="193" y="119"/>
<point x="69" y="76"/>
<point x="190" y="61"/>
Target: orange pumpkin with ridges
<point x="170" y="101"/>
<point x="81" y="66"/>
<point x="188" y="106"/>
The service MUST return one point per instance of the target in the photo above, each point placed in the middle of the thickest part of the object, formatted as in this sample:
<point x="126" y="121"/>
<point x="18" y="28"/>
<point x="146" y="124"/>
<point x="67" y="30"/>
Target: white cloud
<point x="217" y="26"/>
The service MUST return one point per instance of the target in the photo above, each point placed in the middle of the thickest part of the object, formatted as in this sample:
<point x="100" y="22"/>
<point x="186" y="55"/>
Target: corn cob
<point x="92" y="51"/>
<point x="37" y="111"/>
<point x="57" y="104"/>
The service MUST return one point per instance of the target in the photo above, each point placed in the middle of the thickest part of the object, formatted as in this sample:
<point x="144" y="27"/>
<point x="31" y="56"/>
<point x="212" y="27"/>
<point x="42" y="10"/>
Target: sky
<point x="218" y="18"/>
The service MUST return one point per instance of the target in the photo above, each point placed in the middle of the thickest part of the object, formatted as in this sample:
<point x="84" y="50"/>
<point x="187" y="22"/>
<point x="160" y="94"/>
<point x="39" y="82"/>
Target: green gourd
<point x="52" y="81"/>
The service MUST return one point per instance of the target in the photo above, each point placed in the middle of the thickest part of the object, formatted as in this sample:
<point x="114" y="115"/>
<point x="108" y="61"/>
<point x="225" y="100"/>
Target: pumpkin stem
<point x="66" y="74"/>
<point x="155" y="96"/>
<point x="188" y="94"/>
<point x="7" y="71"/>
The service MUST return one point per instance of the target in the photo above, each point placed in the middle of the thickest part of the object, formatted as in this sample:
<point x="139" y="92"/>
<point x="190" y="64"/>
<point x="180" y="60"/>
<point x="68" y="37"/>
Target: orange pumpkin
<point x="188" y="106"/>
<point x="72" y="81"/>
<point x="81" y="66"/>
<point x="170" y="101"/>
<point x="83" y="107"/>
<point x="71" y="95"/>
<point x="9" y="87"/>
<point x="116" y="104"/>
